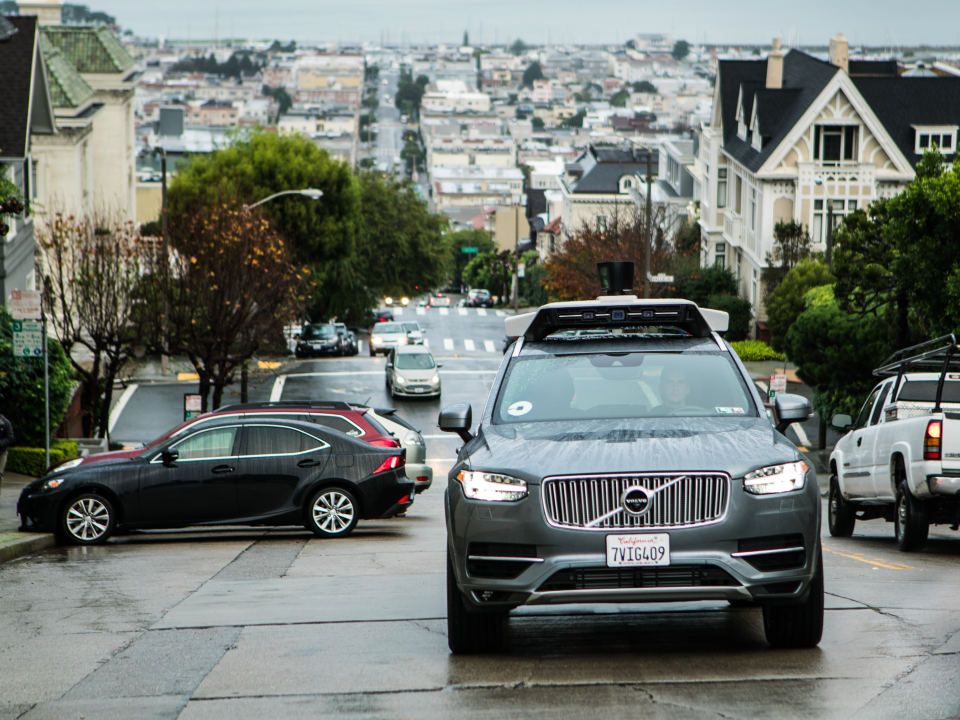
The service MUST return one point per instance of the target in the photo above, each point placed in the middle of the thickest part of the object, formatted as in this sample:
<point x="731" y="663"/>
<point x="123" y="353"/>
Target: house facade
<point x="790" y="134"/>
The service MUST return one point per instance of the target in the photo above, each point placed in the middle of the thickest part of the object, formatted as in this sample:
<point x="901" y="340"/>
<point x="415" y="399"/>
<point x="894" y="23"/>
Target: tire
<point x="797" y="626"/>
<point x="86" y="519"/>
<point x="910" y="520"/>
<point x="470" y="633"/>
<point x="333" y="512"/>
<point x="841" y="515"/>
<point x="372" y="353"/>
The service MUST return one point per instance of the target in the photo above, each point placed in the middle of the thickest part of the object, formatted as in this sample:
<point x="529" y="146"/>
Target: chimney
<point x="48" y="12"/>
<point x="775" y="67"/>
<point x="840" y="52"/>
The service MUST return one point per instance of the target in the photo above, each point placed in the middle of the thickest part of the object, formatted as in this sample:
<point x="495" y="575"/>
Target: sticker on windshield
<point x="729" y="410"/>
<point x="521" y="407"/>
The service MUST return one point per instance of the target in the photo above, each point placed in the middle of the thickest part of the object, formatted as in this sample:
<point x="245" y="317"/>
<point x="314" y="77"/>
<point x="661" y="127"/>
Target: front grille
<point x="574" y="502"/>
<point x="675" y="576"/>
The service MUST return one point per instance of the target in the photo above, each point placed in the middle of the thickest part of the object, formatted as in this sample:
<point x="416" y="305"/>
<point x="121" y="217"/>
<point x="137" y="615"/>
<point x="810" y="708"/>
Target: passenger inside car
<point x="674" y="388"/>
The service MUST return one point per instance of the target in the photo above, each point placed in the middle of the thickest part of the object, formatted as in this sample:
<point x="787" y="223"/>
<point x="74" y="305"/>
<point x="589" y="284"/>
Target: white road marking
<point x="121" y="404"/>
<point x="359" y="346"/>
<point x="468" y="344"/>
<point x="421" y="311"/>
<point x="481" y="312"/>
<point x="448" y="343"/>
<point x="501" y="313"/>
<point x="489" y="346"/>
<point x="398" y="311"/>
<point x="277" y="391"/>
<point x="444" y="311"/>
<point x="801" y="434"/>
<point x="762" y="385"/>
<point x="462" y="311"/>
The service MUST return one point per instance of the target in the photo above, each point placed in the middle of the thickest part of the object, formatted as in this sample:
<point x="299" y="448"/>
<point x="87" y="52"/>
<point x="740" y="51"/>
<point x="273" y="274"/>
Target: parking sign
<point x="27" y="338"/>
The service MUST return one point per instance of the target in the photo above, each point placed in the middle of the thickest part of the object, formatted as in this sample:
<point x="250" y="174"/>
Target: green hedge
<point x="32" y="461"/>
<point x="755" y="351"/>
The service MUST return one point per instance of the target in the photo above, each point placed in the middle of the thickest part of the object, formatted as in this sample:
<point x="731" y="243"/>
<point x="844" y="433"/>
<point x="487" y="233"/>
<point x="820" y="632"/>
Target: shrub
<point x="740" y="312"/>
<point x="755" y="351"/>
<point x="31" y="461"/>
<point x="700" y="284"/>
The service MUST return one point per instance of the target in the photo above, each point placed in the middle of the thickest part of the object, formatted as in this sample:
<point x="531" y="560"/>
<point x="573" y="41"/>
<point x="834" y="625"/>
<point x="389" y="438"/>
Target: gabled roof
<point x="67" y="88"/>
<point x="25" y="104"/>
<point x="94" y="50"/>
<point x="6" y="28"/>
<point x="602" y="168"/>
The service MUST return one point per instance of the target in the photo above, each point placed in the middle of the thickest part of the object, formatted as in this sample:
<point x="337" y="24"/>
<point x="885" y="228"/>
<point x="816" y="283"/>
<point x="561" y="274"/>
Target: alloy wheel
<point x="333" y="512"/>
<point x="88" y="519"/>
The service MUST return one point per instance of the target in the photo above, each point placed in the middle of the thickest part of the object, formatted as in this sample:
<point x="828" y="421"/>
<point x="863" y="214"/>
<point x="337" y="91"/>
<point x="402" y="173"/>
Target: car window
<point x="207" y="444"/>
<point x="610" y="386"/>
<point x="411" y="327"/>
<point x="377" y="427"/>
<point x="864" y="415"/>
<point x="318" y="331"/>
<point x="388" y="328"/>
<point x="878" y="407"/>
<point x="415" y="361"/>
<point x="926" y="391"/>
<point x="335" y="422"/>
<point x="273" y="440"/>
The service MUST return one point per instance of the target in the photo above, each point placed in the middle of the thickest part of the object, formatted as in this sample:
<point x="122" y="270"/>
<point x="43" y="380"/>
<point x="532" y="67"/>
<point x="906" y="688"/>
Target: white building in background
<point x="447" y="96"/>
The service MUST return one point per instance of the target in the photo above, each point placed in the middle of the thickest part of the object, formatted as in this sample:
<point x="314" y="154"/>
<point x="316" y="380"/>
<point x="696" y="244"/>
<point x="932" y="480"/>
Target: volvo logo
<point x="636" y="500"/>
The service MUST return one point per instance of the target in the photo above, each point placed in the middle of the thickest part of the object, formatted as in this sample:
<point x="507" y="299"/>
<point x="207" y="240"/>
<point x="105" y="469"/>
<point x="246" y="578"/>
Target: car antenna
<point x="366" y="402"/>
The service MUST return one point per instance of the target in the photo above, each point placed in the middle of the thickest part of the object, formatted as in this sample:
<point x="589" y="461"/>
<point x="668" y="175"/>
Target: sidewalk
<point x="14" y="544"/>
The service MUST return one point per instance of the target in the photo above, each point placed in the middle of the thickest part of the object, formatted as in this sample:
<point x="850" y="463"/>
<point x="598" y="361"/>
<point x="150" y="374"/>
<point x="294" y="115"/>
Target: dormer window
<point x="943" y="137"/>
<point x="626" y="182"/>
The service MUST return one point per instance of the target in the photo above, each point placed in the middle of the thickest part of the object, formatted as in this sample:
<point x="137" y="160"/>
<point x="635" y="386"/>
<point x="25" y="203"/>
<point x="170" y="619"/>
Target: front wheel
<point x="87" y="519"/>
<point x="910" y="521"/>
<point x="333" y="512"/>
<point x="470" y="633"/>
<point x="841" y="515"/>
<point x="797" y="626"/>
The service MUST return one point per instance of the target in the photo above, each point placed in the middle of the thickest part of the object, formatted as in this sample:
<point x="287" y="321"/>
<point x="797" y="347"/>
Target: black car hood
<point x="537" y="450"/>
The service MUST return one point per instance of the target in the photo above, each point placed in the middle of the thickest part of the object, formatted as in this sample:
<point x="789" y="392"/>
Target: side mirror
<point x="790" y="409"/>
<point x="439" y="365"/>
<point x="389" y="364"/>
<point x="841" y="421"/>
<point x="457" y="419"/>
<point x="169" y="457"/>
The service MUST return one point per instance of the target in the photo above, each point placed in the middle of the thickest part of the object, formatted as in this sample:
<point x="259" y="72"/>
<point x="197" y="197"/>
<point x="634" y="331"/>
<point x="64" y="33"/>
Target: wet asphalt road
<point x="250" y="623"/>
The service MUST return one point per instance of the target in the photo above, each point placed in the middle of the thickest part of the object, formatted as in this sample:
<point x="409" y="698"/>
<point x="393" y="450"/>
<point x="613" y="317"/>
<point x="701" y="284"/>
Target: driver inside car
<point x="674" y="388"/>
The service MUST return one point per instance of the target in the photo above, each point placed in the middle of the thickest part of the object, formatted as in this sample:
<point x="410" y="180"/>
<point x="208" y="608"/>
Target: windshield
<point x="318" y="331"/>
<point x="415" y="361"/>
<point x="411" y="327"/>
<point x="622" y="385"/>
<point x="388" y="328"/>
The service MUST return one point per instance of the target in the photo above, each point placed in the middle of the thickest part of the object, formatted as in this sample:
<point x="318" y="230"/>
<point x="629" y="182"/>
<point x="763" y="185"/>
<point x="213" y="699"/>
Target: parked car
<point x="412" y="371"/>
<point x="247" y="471"/>
<point x="900" y="459"/>
<point x="386" y="336"/>
<point x="318" y="340"/>
<point x="630" y="466"/>
<point x="348" y="339"/>
<point x="335" y="415"/>
<point x="410" y="438"/>
<point x="479" y="298"/>
<point x="381" y="315"/>
<point x="414" y="332"/>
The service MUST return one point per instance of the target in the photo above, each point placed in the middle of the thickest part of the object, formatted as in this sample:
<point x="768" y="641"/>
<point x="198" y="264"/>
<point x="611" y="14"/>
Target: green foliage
<point x="700" y="284"/>
<point x="288" y="48"/>
<point x="645" y="86"/>
<point x="755" y="351"/>
<point x="532" y="285"/>
<point x="412" y="155"/>
<point x="533" y="72"/>
<point x="74" y="15"/>
<point x="687" y="239"/>
<point x="864" y="255"/>
<point x="21" y="387"/>
<point x="371" y="72"/>
<point x="740" y="312"/>
<point x="258" y="164"/>
<point x="537" y="122"/>
<point x="477" y="273"/>
<point x="786" y="302"/>
<point x="791" y="244"/>
<point x="518" y="47"/>
<point x="460" y="239"/>
<point x="575" y="121"/>
<point x="32" y="460"/>
<point x="409" y="95"/>
<point x="620" y="98"/>
<point x="237" y="65"/>
<point x="681" y="48"/>
<point x="280" y="94"/>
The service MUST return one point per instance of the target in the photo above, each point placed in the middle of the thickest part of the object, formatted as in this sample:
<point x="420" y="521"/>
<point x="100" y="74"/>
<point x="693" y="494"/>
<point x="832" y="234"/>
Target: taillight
<point x="404" y="499"/>
<point x="422" y="478"/>
<point x="386" y="442"/>
<point x="391" y="463"/>
<point x="931" y="441"/>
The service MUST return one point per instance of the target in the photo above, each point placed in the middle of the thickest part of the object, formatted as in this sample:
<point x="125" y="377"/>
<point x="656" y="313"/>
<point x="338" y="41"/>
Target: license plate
<point x="419" y="390"/>
<point x="638" y="550"/>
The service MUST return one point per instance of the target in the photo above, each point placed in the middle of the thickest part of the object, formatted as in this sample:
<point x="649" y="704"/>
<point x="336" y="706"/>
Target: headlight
<point x="67" y="465"/>
<point x="399" y="380"/>
<point x="388" y="301"/>
<point x="52" y="484"/>
<point x="377" y="341"/>
<point x="776" y="479"/>
<point x="491" y="486"/>
<point x="412" y="438"/>
<point x="404" y="301"/>
<point x="402" y="340"/>
<point x="435" y="379"/>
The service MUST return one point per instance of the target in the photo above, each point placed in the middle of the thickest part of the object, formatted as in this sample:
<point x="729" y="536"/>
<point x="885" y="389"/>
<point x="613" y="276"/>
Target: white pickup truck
<point x="900" y="459"/>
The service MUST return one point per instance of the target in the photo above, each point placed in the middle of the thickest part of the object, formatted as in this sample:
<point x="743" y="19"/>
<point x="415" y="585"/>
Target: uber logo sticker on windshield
<point x="729" y="410"/>
<point x="521" y="407"/>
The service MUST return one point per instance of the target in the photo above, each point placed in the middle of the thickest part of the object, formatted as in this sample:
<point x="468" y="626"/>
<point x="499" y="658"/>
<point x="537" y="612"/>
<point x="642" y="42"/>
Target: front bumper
<point x="704" y="561"/>
<point x="416" y="390"/>
<point x="310" y="351"/>
<point x="38" y="510"/>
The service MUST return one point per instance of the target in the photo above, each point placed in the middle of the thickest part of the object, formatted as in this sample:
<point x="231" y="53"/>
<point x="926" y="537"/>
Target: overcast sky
<point x="877" y="23"/>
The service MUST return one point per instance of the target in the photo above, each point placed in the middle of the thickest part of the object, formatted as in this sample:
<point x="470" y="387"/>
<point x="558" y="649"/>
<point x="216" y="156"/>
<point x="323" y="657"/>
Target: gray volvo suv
<point x="635" y="464"/>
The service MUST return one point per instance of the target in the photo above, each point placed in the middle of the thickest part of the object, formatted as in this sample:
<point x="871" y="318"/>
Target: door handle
<point x="859" y="440"/>
<point x="222" y="469"/>
<point x="308" y="463"/>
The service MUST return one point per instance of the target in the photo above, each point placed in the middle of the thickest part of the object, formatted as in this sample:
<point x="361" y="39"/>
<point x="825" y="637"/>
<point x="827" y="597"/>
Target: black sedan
<point x="319" y="339"/>
<point x="229" y="472"/>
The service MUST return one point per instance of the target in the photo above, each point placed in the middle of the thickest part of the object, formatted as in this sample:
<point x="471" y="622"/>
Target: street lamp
<point x="311" y="193"/>
<point x="829" y="254"/>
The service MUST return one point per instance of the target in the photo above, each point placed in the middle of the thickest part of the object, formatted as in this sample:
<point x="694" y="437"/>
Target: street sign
<point x="521" y="269"/>
<point x="778" y="384"/>
<point x="660" y="278"/>
<point x="470" y="250"/>
<point x="191" y="406"/>
<point x="24" y="304"/>
<point x="27" y="338"/>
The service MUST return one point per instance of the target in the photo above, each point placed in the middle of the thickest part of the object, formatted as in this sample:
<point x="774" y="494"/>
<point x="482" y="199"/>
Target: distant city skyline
<point x="749" y="22"/>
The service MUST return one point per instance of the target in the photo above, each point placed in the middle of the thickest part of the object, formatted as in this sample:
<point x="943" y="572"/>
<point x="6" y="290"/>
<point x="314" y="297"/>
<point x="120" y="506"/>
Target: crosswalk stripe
<point x="481" y="312"/>
<point x="421" y="311"/>
<point x="501" y="313"/>
<point x="489" y="346"/>
<point x="468" y="344"/>
<point x="448" y="343"/>
<point x="444" y="311"/>
<point x="359" y="347"/>
<point x="462" y="311"/>
<point x="398" y="311"/>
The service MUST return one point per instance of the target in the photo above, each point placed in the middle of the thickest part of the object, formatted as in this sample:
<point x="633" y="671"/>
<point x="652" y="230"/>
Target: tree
<point x="519" y="47"/>
<point x="408" y="97"/>
<point x="280" y="94"/>
<point x="537" y="122"/>
<point x="21" y="387"/>
<point x="533" y="285"/>
<point x="533" y="72"/>
<point x="371" y="73"/>
<point x="412" y="155"/>
<point x="92" y="297"/>
<point x="225" y="290"/>
<point x="740" y="311"/>
<point x="791" y="244"/>
<point x="258" y="164"/>
<point x="575" y="121"/>
<point x="681" y="48"/>
<point x="700" y="284"/>
<point x="687" y="239"/>
<point x="645" y="86"/>
<point x="620" y="98"/>
<point x="787" y="301"/>
<point x="460" y="239"/>
<point x="81" y="15"/>
<point x="492" y="271"/>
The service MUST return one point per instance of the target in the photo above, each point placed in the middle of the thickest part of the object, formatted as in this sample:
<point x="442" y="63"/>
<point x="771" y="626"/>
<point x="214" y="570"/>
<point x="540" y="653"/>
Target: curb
<point x="14" y="545"/>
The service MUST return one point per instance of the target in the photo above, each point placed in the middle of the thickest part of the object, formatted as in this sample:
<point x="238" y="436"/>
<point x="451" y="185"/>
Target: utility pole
<point x="164" y="355"/>
<point x="648" y="240"/>
<point x="829" y="233"/>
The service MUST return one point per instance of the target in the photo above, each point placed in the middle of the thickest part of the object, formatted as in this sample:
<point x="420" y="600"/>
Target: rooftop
<point x="93" y="50"/>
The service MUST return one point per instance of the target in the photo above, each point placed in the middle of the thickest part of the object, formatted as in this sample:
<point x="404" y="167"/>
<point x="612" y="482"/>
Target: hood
<point x="533" y="451"/>
<point x="101" y="457"/>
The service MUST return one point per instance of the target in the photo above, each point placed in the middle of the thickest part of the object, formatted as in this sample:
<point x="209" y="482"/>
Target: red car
<point x="335" y="415"/>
